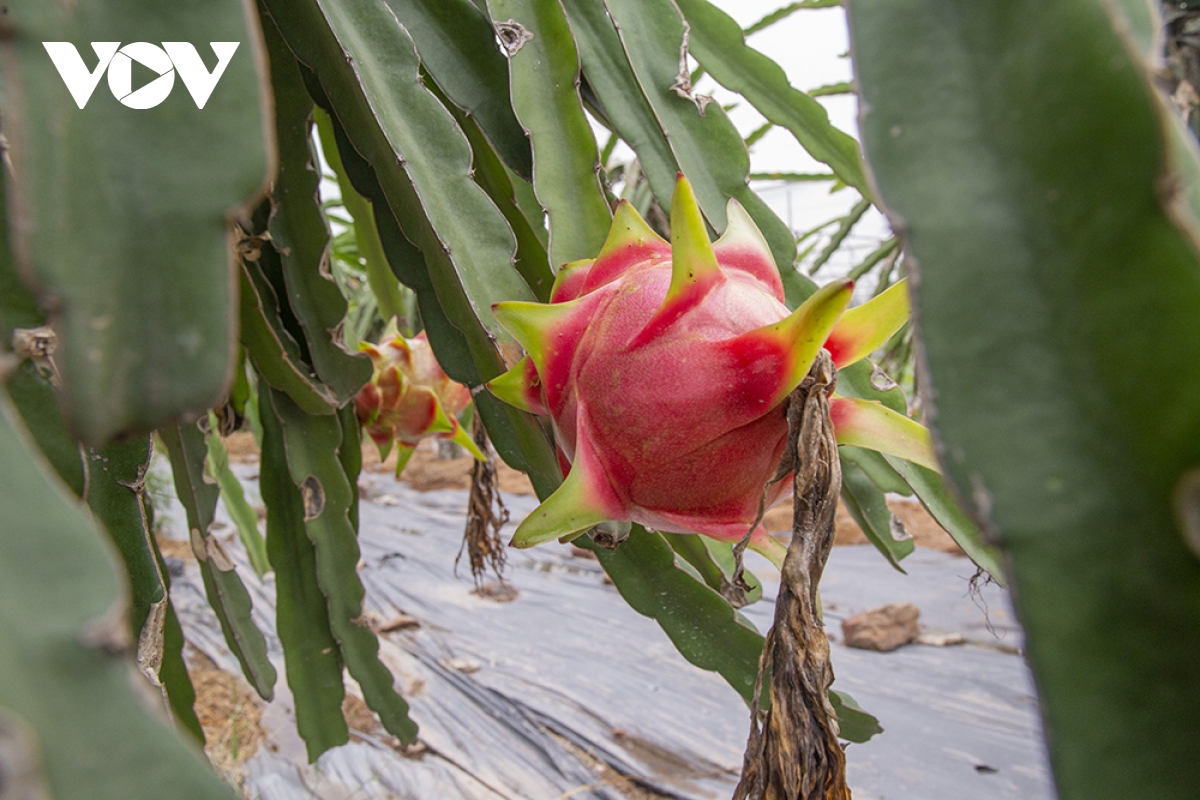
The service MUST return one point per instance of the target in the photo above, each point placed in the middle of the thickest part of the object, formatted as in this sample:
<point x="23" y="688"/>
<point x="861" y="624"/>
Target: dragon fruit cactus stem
<point x="410" y="398"/>
<point x="664" y="366"/>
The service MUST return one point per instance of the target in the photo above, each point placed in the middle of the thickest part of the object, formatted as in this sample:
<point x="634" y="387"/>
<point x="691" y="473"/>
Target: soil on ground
<point x="230" y="714"/>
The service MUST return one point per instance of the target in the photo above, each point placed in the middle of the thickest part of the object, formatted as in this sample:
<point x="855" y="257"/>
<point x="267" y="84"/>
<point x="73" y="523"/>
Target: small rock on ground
<point x="883" y="628"/>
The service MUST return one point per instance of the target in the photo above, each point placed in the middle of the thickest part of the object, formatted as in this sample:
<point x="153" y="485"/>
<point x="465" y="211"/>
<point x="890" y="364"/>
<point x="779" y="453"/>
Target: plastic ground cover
<point x="521" y="700"/>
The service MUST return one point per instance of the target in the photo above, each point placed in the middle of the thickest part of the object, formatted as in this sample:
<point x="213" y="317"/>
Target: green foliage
<point x="312" y="658"/>
<point x="217" y="469"/>
<point x="271" y="348"/>
<point x="463" y="137"/>
<point x="117" y="496"/>
<point x="868" y="505"/>
<point x="1059" y="308"/>
<point x="707" y="147"/>
<point x="719" y="45"/>
<point x="33" y="395"/>
<point x="65" y="689"/>
<point x="457" y="45"/>
<point x="542" y="62"/>
<point x="119" y="219"/>
<point x="791" y="8"/>
<point x="312" y="446"/>
<point x="300" y="237"/>
<point x="713" y="562"/>
<point x="361" y="244"/>
<point x="226" y="593"/>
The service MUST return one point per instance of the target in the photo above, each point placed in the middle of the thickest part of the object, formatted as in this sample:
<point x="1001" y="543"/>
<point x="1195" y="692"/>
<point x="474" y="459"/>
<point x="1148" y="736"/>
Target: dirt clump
<point x="230" y="714"/>
<point x="912" y="515"/>
<point x="427" y="472"/>
<point x="241" y="447"/>
<point x="175" y="548"/>
<point x="883" y="629"/>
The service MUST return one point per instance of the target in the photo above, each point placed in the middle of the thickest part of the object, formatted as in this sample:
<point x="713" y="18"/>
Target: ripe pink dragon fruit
<point x="410" y="398"/>
<point x="664" y="367"/>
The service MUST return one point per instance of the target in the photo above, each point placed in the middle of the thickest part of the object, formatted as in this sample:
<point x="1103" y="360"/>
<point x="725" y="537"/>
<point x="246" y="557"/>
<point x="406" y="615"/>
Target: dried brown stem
<point x="486" y="514"/>
<point x="793" y="752"/>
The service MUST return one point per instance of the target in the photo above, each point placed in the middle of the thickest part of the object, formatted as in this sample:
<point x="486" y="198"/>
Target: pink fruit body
<point x="664" y="367"/>
<point x="410" y="398"/>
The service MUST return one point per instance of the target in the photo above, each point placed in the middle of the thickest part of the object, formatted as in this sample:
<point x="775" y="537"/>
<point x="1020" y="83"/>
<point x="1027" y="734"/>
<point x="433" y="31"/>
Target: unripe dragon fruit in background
<point x="410" y="398"/>
<point x="664" y="368"/>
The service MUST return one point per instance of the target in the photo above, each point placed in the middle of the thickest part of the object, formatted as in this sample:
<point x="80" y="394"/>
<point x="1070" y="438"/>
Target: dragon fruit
<point x="410" y="398"/>
<point x="664" y="367"/>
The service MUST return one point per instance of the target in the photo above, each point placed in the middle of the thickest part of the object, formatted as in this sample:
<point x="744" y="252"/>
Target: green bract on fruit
<point x="664" y="367"/>
<point x="410" y="398"/>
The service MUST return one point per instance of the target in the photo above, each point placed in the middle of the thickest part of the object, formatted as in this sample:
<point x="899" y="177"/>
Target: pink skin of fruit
<point x="663" y="368"/>
<point x="410" y="398"/>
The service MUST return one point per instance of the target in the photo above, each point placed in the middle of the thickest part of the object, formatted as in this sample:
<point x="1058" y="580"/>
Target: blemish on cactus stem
<point x="21" y="755"/>
<point x="512" y="36"/>
<point x="314" y="497"/>
<point x="1187" y="509"/>
<point x="880" y="381"/>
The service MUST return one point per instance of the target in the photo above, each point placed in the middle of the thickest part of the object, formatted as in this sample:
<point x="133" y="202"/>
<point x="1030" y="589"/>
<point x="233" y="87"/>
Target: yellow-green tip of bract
<point x="584" y="500"/>
<point x="568" y="281"/>
<point x="870" y="424"/>
<point x="741" y="230"/>
<point x="443" y="424"/>
<point x="563" y="513"/>
<point x="694" y="268"/>
<point x="801" y="334"/>
<point x="865" y="328"/>
<point x="463" y="439"/>
<point x="519" y="387"/>
<point x="404" y="454"/>
<point x="628" y="228"/>
<point x="693" y="262"/>
<point x="531" y="324"/>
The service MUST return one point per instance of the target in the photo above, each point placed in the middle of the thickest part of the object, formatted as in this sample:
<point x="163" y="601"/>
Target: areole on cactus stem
<point x="664" y="366"/>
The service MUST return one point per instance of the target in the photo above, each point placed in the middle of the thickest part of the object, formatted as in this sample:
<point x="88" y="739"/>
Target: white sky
<point x="812" y="46"/>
